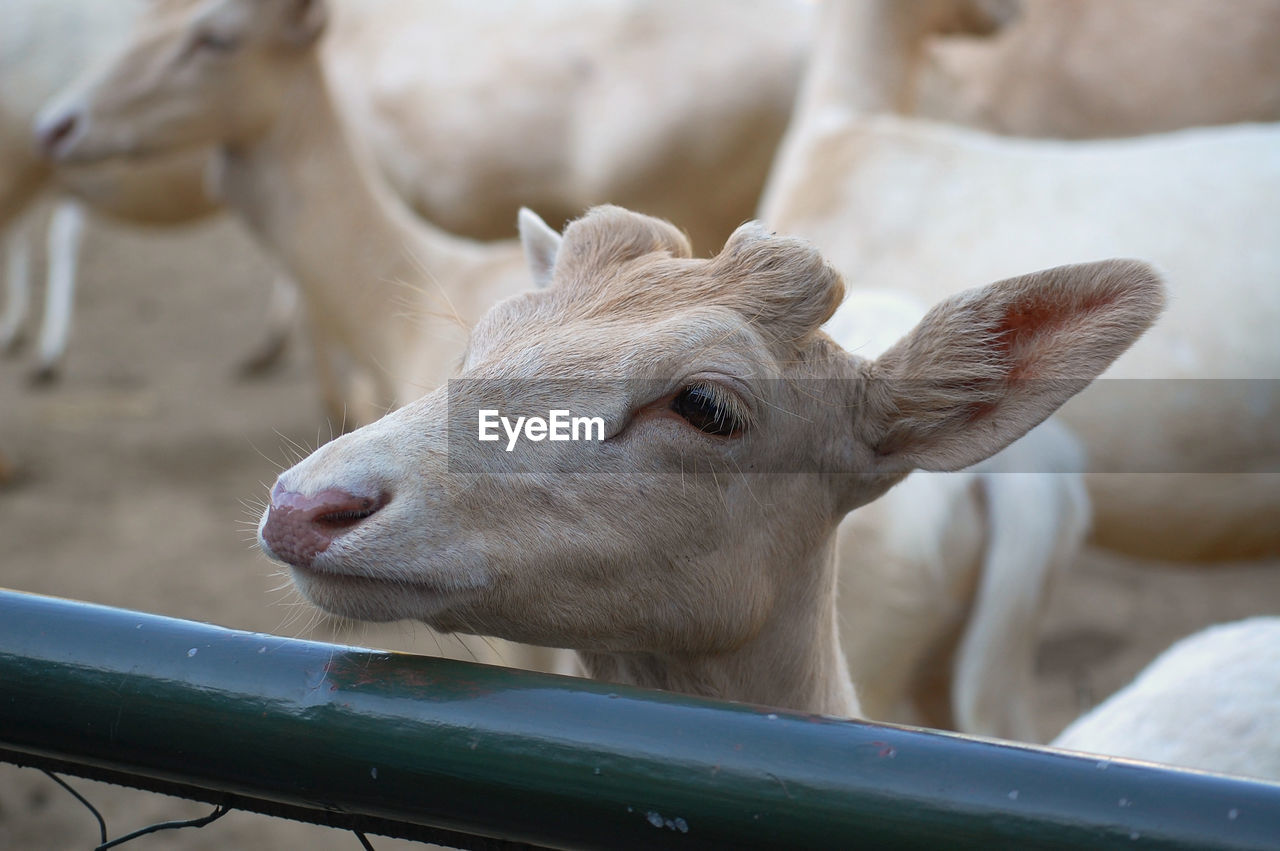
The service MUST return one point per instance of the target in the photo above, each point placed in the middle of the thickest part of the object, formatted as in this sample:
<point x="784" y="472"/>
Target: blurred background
<point x="135" y="463"/>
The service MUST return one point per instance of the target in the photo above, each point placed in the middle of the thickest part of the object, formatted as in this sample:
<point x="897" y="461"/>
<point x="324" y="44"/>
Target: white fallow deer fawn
<point x="467" y="110"/>
<point x="43" y="46"/>
<point x="691" y="549"/>
<point x="387" y="295"/>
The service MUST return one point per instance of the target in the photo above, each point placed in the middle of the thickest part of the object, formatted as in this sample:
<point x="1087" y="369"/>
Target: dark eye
<point x="709" y="410"/>
<point x="215" y="42"/>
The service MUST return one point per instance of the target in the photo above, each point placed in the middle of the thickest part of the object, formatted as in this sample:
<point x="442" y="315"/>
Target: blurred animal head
<point x="194" y="73"/>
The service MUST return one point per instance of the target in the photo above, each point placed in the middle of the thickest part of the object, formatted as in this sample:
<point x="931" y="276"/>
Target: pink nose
<point x="299" y="527"/>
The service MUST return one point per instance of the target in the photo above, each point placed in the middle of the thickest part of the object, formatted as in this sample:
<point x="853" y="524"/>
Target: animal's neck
<point x="864" y="59"/>
<point x="865" y="56"/>
<point x="368" y="268"/>
<point x="869" y="52"/>
<point x="794" y="661"/>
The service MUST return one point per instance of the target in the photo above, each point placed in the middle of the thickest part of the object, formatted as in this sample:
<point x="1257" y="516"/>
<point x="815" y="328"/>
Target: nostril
<point x="298" y="527"/>
<point x="348" y="514"/>
<point x="331" y="505"/>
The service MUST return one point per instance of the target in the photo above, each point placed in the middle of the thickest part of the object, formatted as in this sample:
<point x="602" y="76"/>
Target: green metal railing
<point x="408" y="745"/>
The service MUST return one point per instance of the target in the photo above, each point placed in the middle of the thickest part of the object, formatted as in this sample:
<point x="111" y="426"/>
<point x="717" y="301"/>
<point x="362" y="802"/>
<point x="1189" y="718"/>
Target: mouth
<point x="71" y="143"/>
<point x="370" y="598"/>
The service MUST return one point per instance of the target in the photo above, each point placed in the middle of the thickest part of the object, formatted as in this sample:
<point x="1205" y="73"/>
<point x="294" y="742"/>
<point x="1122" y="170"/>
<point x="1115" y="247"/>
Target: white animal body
<point x="1092" y="68"/>
<point x="923" y="208"/>
<point x="1211" y="701"/>
<point x="466" y="127"/>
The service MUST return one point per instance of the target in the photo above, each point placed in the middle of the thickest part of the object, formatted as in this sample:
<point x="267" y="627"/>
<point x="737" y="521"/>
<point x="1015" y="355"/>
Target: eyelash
<point x="215" y="43"/>
<point x="710" y="409"/>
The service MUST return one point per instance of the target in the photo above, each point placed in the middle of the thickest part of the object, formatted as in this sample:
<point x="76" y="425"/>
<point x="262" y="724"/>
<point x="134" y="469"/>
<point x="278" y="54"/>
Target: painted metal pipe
<point x="558" y="761"/>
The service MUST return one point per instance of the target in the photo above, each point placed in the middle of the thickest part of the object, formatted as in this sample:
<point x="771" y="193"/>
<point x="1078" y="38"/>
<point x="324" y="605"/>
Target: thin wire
<point x="218" y="812"/>
<point x="363" y="840"/>
<point x="102" y="823"/>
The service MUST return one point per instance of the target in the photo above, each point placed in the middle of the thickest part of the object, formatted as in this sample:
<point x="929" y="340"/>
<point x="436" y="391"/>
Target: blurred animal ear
<point x="541" y="245"/>
<point x="987" y="365"/>
<point x="302" y="22"/>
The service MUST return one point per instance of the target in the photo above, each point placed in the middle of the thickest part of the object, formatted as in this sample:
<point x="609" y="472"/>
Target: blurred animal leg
<point x="65" y="230"/>
<point x="17" y="284"/>
<point x="282" y="312"/>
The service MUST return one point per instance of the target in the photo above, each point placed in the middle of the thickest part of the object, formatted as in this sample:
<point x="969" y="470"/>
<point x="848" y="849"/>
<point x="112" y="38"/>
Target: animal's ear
<point x="782" y="284"/>
<point x="302" y="22"/>
<point x="541" y="244"/>
<point x="984" y="367"/>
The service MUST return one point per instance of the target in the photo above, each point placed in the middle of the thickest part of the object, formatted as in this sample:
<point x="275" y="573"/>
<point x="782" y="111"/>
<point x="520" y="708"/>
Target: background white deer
<point x="42" y="46"/>
<point x="463" y="119"/>
<point x="1094" y="68"/>
<point x="922" y="208"/>
<point x="1208" y="702"/>
<point x="389" y="292"/>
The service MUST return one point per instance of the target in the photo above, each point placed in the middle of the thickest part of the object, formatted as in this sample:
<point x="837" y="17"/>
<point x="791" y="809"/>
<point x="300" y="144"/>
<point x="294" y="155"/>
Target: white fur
<point x="926" y="209"/>
<point x="1211" y="701"/>
<point x="65" y="229"/>
<point x="1078" y="69"/>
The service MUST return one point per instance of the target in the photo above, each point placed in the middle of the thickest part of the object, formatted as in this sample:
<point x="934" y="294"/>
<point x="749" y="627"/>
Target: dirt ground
<point x="140" y="472"/>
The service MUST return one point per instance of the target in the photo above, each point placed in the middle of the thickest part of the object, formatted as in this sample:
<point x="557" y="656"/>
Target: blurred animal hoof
<point x="45" y="375"/>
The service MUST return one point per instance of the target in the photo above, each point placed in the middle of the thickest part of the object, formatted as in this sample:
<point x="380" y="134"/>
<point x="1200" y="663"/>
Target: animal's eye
<point x="710" y="410"/>
<point x="215" y="42"/>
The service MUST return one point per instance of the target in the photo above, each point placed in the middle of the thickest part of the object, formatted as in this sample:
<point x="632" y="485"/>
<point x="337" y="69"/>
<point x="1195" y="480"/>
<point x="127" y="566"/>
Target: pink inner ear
<point x="1030" y="327"/>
